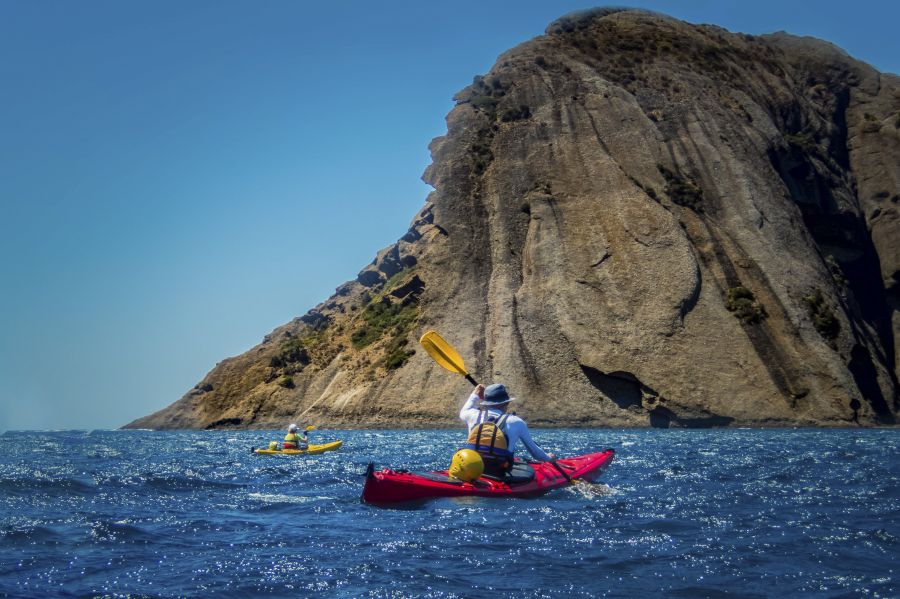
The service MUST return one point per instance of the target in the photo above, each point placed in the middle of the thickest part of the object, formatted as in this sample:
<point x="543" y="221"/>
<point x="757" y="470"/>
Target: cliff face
<point x="636" y="222"/>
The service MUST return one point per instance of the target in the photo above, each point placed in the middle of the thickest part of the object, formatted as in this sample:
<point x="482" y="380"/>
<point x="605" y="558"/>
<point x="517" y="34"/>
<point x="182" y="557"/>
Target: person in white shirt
<point x="493" y="433"/>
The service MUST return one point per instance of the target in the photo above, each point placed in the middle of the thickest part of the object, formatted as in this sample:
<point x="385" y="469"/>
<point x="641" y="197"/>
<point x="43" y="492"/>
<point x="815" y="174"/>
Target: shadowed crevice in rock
<point x="423" y="221"/>
<point x="225" y="423"/>
<point x="386" y="264"/>
<point x="369" y="278"/>
<point x="606" y="256"/>
<point x="623" y="388"/>
<point x="893" y="301"/>
<point x="711" y="246"/>
<point x="316" y="319"/>
<point x="866" y="377"/>
<point x="841" y="235"/>
<point x="409" y="291"/>
<point x="864" y="279"/>
<point x="661" y="417"/>
<point x="528" y="361"/>
<point x="690" y="302"/>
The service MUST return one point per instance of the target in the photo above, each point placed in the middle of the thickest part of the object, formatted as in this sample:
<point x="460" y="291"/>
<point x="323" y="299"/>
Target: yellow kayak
<point x="312" y="449"/>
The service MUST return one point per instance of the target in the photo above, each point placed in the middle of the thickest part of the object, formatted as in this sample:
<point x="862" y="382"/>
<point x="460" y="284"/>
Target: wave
<point x="49" y="486"/>
<point x="180" y="483"/>
<point x="273" y="498"/>
<point x="28" y="535"/>
<point x="102" y="453"/>
<point x="591" y="490"/>
<point x="119" y="532"/>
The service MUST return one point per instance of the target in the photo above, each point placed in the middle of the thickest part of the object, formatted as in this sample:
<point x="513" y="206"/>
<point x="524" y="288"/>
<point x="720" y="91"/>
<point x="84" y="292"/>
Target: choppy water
<point x="679" y="514"/>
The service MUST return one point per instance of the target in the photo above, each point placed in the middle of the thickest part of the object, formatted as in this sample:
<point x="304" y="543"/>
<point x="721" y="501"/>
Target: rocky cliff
<point x="636" y="222"/>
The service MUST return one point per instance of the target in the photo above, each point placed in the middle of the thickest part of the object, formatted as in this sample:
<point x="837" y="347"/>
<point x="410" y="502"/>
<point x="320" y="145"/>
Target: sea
<point x="679" y="513"/>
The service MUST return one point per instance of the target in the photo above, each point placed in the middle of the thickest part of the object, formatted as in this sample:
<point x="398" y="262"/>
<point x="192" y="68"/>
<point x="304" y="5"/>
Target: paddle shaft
<point x="561" y="471"/>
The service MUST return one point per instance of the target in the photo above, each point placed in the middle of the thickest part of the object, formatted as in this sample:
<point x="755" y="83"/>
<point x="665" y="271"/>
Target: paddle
<point x="444" y="354"/>
<point x="564" y="473"/>
<point x="448" y="358"/>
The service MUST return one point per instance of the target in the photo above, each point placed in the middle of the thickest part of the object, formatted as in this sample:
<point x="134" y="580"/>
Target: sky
<point x="179" y="178"/>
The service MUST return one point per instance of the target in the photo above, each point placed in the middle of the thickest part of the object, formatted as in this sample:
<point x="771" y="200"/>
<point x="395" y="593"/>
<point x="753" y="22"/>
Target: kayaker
<point x="294" y="441"/>
<point x="493" y="433"/>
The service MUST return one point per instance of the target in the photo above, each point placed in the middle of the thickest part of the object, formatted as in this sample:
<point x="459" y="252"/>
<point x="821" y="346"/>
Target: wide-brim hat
<point x="496" y="395"/>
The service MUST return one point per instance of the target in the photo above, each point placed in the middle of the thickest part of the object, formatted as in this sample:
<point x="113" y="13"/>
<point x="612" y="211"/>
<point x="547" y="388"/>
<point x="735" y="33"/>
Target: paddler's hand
<point x="552" y="456"/>
<point x="479" y="391"/>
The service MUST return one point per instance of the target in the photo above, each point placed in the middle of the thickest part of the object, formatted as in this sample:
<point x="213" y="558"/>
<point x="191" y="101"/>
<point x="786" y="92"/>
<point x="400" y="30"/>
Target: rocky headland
<point x="635" y="221"/>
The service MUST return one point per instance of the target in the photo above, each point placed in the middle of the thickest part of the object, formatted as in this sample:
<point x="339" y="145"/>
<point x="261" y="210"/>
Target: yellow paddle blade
<point x="310" y="428"/>
<point x="443" y="353"/>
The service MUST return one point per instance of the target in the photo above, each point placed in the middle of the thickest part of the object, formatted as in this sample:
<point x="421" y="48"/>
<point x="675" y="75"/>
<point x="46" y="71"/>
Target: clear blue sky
<point x="179" y="178"/>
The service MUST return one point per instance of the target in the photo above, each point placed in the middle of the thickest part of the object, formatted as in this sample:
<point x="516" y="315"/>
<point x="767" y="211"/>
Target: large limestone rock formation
<point x="636" y="222"/>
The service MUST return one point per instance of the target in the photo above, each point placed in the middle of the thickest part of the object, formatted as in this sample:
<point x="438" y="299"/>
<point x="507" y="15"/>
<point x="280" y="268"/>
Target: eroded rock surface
<point x="636" y="222"/>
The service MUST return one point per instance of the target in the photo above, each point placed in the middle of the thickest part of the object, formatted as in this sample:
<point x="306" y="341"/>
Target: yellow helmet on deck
<point x="467" y="465"/>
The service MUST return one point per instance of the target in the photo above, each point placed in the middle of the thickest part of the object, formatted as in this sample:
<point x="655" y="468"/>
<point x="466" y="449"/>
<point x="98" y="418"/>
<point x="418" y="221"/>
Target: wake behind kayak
<point x="525" y="480"/>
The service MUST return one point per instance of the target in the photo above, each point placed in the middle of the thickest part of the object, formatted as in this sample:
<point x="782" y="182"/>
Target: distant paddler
<point x="295" y="440"/>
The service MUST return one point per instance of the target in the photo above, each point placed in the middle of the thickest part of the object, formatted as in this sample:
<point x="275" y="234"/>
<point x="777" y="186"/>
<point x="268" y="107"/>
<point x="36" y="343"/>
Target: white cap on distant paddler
<point x="292" y="428"/>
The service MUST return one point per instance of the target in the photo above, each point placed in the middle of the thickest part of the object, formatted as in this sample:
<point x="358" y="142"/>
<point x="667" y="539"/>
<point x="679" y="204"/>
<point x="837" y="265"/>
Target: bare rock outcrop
<point x="636" y="222"/>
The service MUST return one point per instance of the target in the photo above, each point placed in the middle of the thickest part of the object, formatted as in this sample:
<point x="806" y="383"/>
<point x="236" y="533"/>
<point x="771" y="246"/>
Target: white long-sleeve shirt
<point x="516" y="428"/>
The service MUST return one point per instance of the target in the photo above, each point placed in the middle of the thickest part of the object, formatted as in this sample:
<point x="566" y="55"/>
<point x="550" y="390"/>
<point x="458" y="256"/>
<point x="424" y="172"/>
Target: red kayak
<point x="525" y="480"/>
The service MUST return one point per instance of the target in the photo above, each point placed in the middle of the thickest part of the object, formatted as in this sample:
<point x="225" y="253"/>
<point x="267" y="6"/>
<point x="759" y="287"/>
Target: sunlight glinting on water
<point x="685" y="513"/>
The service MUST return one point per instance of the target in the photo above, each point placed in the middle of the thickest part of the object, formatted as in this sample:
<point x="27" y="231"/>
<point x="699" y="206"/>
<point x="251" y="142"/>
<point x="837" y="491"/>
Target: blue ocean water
<point x="680" y="513"/>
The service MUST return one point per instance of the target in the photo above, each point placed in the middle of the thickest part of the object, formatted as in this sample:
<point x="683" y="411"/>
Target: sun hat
<point x="496" y="395"/>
